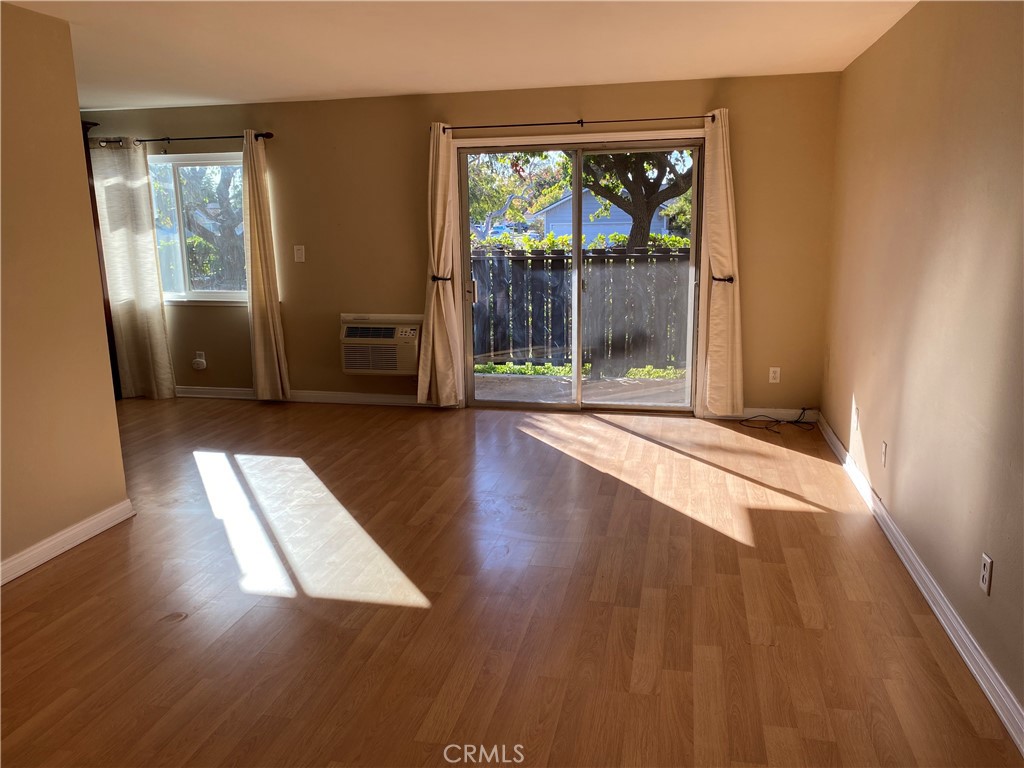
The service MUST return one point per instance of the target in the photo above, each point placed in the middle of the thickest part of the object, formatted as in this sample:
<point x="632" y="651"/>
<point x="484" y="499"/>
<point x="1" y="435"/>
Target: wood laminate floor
<point x="342" y="585"/>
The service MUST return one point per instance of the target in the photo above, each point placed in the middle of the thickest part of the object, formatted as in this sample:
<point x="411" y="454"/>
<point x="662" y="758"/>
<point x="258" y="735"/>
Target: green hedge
<point x="548" y="369"/>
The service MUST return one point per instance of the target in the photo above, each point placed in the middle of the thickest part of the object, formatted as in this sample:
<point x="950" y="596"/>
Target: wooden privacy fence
<point x="634" y="308"/>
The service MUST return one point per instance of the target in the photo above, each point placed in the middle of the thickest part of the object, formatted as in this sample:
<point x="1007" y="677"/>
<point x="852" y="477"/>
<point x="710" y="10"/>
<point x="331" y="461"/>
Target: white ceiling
<point x="158" y="54"/>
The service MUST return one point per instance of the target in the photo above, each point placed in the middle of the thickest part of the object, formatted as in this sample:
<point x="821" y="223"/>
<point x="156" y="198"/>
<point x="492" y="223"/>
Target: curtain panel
<point x="269" y="364"/>
<point x="723" y="382"/>
<point x="440" y="373"/>
<point x="127" y="231"/>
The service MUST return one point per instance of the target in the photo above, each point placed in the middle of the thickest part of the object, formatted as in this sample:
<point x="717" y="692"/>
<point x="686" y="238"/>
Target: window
<point x="197" y="205"/>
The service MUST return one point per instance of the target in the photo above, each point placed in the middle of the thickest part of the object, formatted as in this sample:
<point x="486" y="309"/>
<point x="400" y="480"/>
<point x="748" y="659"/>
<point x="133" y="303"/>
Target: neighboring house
<point x="557" y="218"/>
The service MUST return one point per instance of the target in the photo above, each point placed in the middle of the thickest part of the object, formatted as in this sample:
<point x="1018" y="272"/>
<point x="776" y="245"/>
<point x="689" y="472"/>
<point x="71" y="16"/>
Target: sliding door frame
<point x="576" y="145"/>
<point x="495" y="146"/>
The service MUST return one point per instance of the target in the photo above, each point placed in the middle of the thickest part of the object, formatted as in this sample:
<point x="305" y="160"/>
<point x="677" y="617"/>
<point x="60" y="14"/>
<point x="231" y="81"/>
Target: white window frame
<point x="189" y="296"/>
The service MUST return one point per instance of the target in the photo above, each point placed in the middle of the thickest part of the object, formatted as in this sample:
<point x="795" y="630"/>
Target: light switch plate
<point x="300" y="253"/>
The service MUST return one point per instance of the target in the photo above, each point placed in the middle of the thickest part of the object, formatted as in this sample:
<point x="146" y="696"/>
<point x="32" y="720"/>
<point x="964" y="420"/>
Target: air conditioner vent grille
<point x="369" y="332"/>
<point x="380" y="345"/>
<point x="371" y="358"/>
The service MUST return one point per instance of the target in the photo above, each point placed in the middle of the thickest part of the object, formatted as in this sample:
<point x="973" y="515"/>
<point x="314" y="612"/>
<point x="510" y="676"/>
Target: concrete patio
<point x="514" y="388"/>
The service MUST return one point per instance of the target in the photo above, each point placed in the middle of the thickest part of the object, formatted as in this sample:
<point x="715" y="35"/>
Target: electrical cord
<point x="770" y="423"/>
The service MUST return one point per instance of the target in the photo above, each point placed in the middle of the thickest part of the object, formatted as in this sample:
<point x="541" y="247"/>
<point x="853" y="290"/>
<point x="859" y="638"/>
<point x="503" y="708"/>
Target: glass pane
<point x="637" y="283"/>
<point x="520" y="224"/>
<point x="211" y="214"/>
<point x="165" y="215"/>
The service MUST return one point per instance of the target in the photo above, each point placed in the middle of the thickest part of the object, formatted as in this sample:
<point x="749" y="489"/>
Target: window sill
<point x="206" y="302"/>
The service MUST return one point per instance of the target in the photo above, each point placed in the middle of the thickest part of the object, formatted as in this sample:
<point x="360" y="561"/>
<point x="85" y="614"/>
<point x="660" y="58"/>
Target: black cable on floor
<point x="764" y="421"/>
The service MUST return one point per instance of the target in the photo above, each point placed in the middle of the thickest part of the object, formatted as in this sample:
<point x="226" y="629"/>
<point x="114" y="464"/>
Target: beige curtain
<point x="127" y="232"/>
<point x="269" y="365"/>
<point x="440" y="375"/>
<point x="723" y="386"/>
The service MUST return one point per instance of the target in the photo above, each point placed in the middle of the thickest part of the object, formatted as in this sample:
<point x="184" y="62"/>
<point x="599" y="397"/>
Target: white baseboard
<point x="860" y="480"/>
<point x="47" y="549"/>
<point x="300" y="396"/>
<point x="351" y="398"/>
<point x="1006" y="705"/>
<point x="222" y="393"/>
<point x="370" y="398"/>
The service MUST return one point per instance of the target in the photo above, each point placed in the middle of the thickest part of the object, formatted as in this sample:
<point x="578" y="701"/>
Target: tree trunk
<point x="640" y="231"/>
<point x="232" y="245"/>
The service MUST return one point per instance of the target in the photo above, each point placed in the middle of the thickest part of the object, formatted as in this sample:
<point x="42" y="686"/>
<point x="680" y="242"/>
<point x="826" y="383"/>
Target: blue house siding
<point x="558" y="219"/>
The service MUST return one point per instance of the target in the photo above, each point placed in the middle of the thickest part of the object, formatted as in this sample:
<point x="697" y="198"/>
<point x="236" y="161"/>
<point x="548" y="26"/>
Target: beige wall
<point x="61" y="452"/>
<point x="925" y="332"/>
<point x="348" y="181"/>
<point x="222" y="333"/>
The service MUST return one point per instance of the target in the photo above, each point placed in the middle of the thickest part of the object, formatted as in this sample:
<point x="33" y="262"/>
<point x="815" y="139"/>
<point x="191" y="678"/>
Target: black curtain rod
<point x="264" y="135"/>
<point x="579" y="122"/>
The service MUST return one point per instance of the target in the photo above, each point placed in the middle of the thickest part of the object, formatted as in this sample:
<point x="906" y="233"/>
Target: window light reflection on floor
<point x="262" y="570"/>
<point x="328" y="551"/>
<point x="587" y="441"/>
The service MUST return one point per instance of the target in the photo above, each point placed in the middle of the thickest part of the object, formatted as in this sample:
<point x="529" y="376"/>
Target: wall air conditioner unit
<point x="380" y="345"/>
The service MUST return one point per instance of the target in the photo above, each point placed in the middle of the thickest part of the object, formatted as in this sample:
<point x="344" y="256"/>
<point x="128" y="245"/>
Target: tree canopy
<point x="638" y="183"/>
<point x="507" y="189"/>
<point x="211" y="214"/>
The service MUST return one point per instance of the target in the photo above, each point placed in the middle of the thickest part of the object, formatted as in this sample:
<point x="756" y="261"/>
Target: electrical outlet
<point x="885" y="451"/>
<point x="300" y="253"/>
<point x="856" y="419"/>
<point x="199" y="361"/>
<point x="985" y="582"/>
<point x="774" y="375"/>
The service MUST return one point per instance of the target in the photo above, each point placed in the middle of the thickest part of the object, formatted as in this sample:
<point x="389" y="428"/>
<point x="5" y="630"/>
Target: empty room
<point x="527" y="383"/>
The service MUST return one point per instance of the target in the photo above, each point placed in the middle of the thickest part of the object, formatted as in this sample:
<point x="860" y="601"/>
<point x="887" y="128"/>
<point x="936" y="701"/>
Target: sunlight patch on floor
<point x="262" y="570"/>
<point x="666" y="479"/>
<point x="328" y="551"/>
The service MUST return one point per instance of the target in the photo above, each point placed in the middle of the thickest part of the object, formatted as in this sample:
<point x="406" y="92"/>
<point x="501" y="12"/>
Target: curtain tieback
<point x="437" y="279"/>
<point x="729" y="279"/>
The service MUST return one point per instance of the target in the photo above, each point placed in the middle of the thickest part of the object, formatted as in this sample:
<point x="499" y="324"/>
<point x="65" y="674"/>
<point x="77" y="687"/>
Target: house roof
<point x="562" y="200"/>
<point x="549" y="206"/>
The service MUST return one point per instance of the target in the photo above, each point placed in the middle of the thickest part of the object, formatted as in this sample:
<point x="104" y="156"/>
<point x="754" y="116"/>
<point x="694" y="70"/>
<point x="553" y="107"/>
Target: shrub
<point x="529" y="369"/>
<point x="669" y="241"/>
<point x="549" y="369"/>
<point x="650" y="372"/>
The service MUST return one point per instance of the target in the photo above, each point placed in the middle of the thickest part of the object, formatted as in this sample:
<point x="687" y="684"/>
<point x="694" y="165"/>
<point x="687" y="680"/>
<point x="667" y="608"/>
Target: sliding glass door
<point x="581" y="265"/>
<point x="636" y="277"/>
<point x="520" y="267"/>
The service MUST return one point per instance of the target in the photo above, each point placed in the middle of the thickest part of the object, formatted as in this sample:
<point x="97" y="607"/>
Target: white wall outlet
<point x="774" y="375"/>
<point x="985" y="582"/>
<point x="856" y="419"/>
<point x="199" y="361"/>
<point x="300" y="253"/>
<point x="885" y="452"/>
